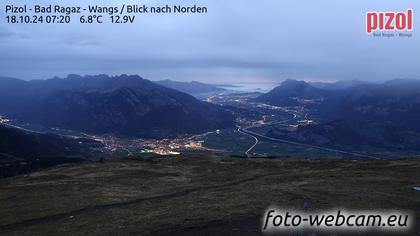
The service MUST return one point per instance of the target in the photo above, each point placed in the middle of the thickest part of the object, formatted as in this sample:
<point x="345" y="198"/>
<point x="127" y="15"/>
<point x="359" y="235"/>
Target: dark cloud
<point x="238" y="40"/>
<point x="5" y="33"/>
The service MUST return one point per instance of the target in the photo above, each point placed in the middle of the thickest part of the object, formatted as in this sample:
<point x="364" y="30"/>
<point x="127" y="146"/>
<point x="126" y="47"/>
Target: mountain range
<point x="341" y="84"/>
<point x="382" y="115"/>
<point x="395" y="102"/>
<point x="121" y="105"/>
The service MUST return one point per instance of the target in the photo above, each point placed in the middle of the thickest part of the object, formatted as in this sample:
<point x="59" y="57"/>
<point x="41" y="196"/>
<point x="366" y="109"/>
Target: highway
<point x="251" y="134"/>
<point x="253" y="146"/>
<point x="257" y="138"/>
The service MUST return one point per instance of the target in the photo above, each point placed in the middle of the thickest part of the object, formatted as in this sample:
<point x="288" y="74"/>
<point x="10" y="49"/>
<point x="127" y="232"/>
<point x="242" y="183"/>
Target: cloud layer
<point x="236" y="41"/>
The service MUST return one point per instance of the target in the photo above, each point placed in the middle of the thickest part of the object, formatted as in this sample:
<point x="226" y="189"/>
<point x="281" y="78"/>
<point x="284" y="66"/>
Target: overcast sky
<point x="236" y="41"/>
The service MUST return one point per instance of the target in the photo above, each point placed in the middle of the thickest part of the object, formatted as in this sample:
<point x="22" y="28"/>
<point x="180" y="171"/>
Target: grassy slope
<point x="150" y="196"/>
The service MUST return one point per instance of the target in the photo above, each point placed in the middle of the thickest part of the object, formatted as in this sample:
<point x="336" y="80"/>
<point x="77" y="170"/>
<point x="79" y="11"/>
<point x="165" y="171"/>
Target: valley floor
<point x="196" y="195"/>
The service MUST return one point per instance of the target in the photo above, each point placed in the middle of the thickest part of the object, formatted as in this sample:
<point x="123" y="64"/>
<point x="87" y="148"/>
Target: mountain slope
<point x="122" y="105"/>
<point x="384" y="116"/>
<point x="22" y="151"/>
<point x="394" y="104"/>
<point x="293" y="93"/>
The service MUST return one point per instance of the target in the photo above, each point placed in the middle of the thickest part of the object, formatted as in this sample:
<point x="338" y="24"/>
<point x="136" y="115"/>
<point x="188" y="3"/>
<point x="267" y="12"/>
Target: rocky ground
<point x="196" y="195"/>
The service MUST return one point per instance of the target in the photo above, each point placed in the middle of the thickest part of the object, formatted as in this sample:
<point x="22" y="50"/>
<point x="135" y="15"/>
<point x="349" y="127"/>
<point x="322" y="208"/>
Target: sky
<point x="237" y="41"/>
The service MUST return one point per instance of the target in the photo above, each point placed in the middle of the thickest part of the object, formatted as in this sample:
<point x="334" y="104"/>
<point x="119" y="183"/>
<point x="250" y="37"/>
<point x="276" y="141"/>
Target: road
<point x="21" y="128"/>
<point x="249" y="133"/>
<point x="257" y="137"/>
<point x="307" y="145"/>
<point x="253" y="146"/>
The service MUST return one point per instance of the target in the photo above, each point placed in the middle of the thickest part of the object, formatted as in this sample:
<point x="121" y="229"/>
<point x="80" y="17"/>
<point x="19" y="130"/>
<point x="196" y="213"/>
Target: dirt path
<point x="96" y="208"/>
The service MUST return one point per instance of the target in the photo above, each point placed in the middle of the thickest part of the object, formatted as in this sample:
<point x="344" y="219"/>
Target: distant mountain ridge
<point x="194" y="88"/>
<point x="341" y="84"/>
<point x="123" y="105"/>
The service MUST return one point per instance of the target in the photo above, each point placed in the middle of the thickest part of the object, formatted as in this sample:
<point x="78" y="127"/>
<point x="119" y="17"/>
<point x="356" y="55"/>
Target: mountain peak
<point x="294" y="83"/>
<point x="291" y="92"/>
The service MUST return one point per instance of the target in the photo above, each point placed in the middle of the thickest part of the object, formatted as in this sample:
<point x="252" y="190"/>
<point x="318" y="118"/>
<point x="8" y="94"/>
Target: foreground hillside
<point x="195" y="195"/>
